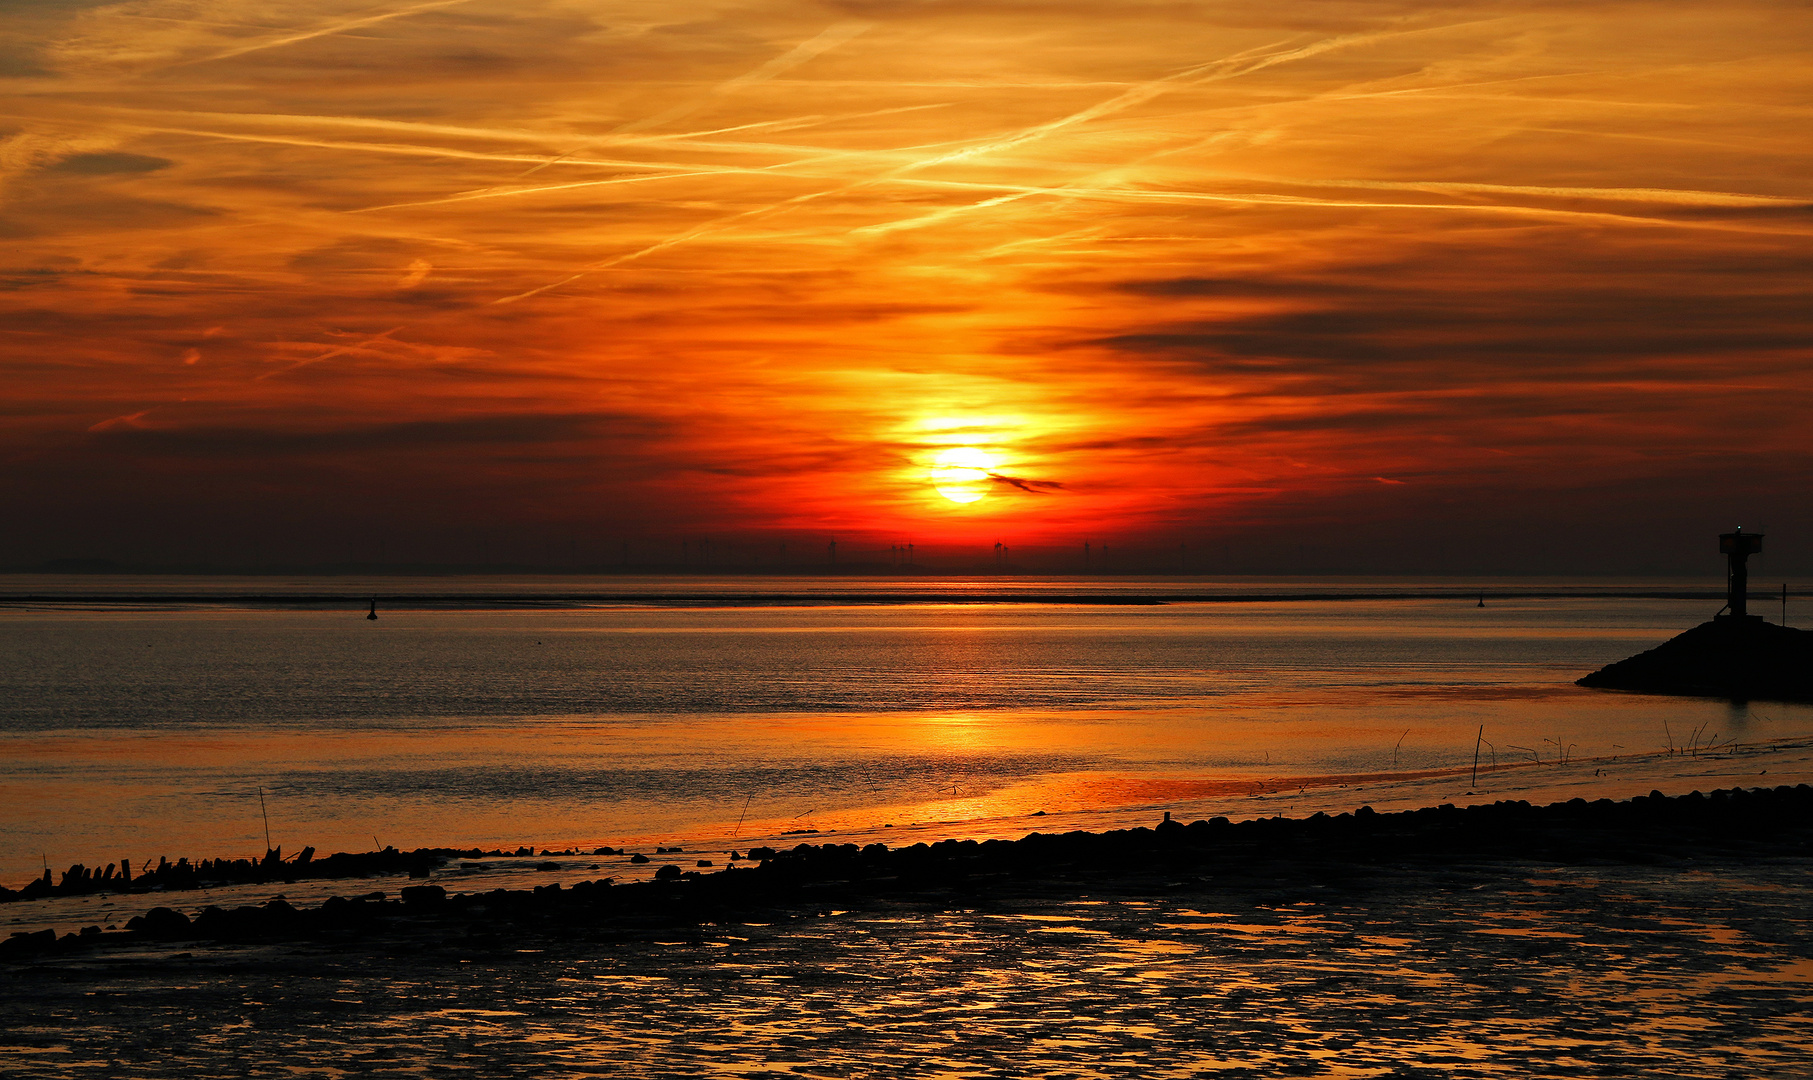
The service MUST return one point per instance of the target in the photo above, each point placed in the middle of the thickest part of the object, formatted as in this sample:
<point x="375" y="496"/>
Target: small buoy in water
<point x="374" y="609"/>
<point x="1482" y="600"/>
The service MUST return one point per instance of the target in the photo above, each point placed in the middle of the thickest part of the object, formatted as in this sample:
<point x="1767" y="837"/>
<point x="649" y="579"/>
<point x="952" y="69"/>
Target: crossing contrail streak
<point x="322" y="31"/>
<point x="1235" y="64"/>
<point x="826" y="40"/>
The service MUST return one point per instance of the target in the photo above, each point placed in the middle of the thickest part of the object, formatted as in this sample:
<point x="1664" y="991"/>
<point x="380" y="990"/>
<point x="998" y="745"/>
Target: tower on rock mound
<point x="1727" y="657"/>
<point x="1736" y="655"/>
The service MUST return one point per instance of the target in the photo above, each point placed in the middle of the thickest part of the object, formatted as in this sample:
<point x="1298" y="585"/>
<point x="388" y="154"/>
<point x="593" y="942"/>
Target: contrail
<point x="1662" y="196"/>
<point x="331" y="353"/>
<point x="495" y="133"/>
<point x="416" y="150"/>
<point x="1669" y="196"/>
<point x="405" y="149"/>
<point x="821" y="156"/>
<point x="1227" y="67"/>
<point x="504" y="193"/>
<point x="1233" y="65"/>
<point x="1215" y="71"/>
<point x="110" y="422"/>
<point x="1262" y="199"/>
<point x="829" y="38"/>
<point x="323" y="31"/>
<point x="826" y="40"/>
<point x="696" y="141"/>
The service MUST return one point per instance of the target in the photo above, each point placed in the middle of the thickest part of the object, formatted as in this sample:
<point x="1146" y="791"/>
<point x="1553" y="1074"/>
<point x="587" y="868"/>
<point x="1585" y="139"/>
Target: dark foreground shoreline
<point x="1351" y="854"/>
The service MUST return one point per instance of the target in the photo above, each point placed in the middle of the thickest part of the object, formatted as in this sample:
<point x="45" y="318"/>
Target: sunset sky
<point x="1369" y="286"/>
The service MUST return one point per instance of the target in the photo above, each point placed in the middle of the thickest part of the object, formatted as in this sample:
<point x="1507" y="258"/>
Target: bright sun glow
<point x="961" y="473"/>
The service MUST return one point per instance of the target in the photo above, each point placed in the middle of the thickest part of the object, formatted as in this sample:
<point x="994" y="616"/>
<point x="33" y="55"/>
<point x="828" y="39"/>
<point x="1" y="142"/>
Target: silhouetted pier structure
<point x="1737" y="547"/>
<point x="1735" y="655"/>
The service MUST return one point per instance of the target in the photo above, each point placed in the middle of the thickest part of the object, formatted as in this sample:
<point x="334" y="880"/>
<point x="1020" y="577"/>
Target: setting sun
<point x="285" y="286"/>
<point x="961" y="474"/>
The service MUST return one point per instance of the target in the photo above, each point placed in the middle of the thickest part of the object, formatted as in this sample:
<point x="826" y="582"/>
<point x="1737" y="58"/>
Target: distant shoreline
<point x="879" y="587"/>
<point x="469" y="601"/>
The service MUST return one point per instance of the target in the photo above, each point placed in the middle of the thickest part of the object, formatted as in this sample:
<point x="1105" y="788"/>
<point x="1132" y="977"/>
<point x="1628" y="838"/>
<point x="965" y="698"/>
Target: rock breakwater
<point x="1739" y="657"/>
<point x="1345" y="851"/>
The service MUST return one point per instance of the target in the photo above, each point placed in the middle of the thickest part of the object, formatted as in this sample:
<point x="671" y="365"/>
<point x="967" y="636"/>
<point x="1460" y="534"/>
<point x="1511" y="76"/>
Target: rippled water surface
<point x="141" y="718"/>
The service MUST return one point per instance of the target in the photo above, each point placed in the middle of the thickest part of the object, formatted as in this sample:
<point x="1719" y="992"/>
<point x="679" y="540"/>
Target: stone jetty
<point x="83" y="880"/>
<point x="1736" y="657"/>
<point x="1280" y="858"/>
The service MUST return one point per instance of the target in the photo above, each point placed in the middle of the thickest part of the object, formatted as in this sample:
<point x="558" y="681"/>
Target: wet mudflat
<point x="1700" y="968"/>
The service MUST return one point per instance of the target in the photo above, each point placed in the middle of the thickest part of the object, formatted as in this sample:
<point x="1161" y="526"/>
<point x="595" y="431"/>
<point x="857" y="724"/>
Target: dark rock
<point x="424" y="895"/>
<point x="547" y="866"/>
<point x="1741" y="658"/>
<point x="638" y="858"/>
<point x="667" y="873"/>
<point x="240" y="924"/>
<point x="161" y="922"/>
<point x="23" y="944"/>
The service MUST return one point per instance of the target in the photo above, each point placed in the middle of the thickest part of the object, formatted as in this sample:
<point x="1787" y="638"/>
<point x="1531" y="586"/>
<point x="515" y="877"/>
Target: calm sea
<point x="147" y="717"/>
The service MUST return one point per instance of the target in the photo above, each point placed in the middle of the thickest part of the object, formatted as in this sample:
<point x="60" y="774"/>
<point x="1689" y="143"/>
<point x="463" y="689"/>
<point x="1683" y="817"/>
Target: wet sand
<point x="1514" y="971"/>
<point x="1660" y="937"/>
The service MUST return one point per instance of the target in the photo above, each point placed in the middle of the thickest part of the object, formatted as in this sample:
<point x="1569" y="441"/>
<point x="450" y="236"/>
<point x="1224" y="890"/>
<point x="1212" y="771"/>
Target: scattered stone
<point x="423" y="895"/>
<point x="160" y="922"/>
<point x="25" y="944"/>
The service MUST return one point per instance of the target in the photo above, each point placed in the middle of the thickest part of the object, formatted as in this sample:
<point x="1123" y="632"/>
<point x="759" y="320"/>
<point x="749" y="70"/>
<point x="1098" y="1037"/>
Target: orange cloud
<point x="1356" y="271"/>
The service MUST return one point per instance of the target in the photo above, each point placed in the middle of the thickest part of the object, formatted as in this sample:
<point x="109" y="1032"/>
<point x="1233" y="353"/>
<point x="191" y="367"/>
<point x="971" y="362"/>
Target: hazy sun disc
<point x="961" y="473"/>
